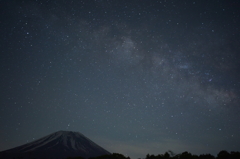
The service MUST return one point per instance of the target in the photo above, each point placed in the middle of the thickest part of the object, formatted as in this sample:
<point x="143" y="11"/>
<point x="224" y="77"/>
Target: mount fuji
<point x="58" y="145"/>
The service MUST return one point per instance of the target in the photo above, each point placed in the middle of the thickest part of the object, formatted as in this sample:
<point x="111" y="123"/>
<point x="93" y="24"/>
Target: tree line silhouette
<point x="170" y="155"/>
<point x="187" y="155"/>
<point x="167" y="155"/>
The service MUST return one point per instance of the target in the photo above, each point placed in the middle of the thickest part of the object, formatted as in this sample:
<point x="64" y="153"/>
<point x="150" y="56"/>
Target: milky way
<point x="136" y="77"/>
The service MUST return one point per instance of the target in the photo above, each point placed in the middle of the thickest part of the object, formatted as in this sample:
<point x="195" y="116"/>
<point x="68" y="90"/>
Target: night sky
<point x="134" y="76"/>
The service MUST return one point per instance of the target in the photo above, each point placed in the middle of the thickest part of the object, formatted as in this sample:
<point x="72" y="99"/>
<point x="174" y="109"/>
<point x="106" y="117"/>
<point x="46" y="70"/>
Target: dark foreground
<point x="167" y="155"/>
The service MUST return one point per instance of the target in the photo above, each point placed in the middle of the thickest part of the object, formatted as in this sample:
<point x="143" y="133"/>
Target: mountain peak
<point x="60" y="144"/>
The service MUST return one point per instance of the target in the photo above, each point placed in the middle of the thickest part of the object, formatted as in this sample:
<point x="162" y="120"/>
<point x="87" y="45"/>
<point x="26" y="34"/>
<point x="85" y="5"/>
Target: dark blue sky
<point x="135" y="76"/>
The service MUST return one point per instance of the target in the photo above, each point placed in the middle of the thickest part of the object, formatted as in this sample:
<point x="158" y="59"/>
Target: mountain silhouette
<point x="58" y="145"/>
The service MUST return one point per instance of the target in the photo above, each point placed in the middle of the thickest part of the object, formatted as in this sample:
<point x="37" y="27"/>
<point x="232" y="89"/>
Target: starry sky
<point x="134" y="76"/>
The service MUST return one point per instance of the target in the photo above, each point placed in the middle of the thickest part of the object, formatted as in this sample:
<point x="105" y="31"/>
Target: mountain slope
<point x="61" y="144"/>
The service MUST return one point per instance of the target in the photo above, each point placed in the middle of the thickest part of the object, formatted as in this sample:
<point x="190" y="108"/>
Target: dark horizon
<point x="37" y="148"/>
<point x="222" y="154"/>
